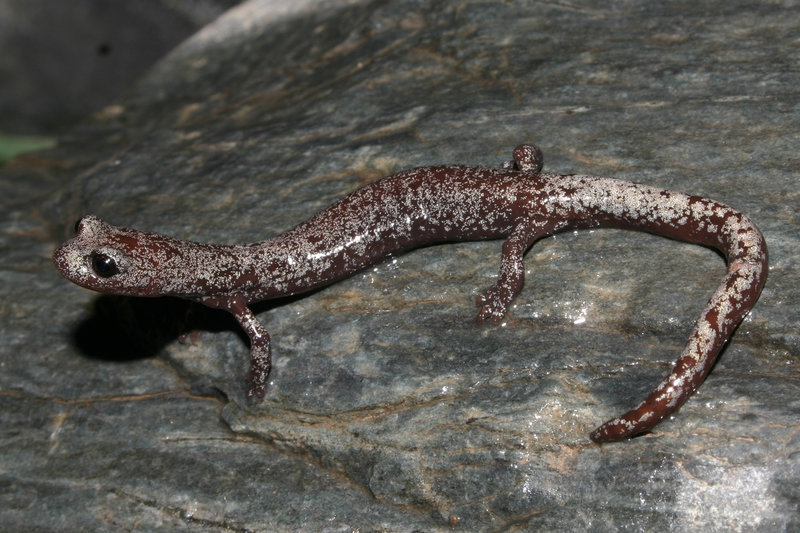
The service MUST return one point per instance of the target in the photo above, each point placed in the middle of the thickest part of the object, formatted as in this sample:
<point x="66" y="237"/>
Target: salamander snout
<point x="89" y="259"/>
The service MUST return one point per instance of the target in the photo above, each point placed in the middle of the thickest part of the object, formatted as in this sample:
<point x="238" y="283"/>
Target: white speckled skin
<point x="428" y="205"/>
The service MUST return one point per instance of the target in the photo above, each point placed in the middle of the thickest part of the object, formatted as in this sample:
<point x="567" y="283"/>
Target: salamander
<point x="515" y="201"/>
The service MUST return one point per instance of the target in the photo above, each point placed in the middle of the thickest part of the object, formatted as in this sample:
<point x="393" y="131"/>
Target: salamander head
<point x="115" y="260"/>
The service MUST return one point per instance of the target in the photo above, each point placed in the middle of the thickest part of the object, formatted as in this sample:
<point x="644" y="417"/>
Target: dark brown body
<point x="429" y="205"/>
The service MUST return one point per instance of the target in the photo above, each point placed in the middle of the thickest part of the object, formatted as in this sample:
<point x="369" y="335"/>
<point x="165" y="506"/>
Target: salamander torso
<point x="429" y="205"/>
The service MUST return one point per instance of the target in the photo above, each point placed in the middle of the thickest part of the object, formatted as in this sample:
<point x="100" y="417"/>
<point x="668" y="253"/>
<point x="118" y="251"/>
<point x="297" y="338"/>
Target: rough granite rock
<point x="388" y="408"/>
<point x="62" y="60"/>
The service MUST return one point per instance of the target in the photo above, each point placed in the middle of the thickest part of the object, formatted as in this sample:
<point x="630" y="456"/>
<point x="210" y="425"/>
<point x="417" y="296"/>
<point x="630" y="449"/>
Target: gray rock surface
<point x="63" y="60"/>
<point x="388" y="408"/>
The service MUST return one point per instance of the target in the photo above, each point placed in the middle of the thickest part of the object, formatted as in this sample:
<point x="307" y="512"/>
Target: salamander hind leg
<point x="527" y="158"/>
<point x="496" y="300"/>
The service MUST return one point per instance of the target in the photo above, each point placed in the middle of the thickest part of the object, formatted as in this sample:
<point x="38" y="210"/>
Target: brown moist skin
<point x="428" y="205"/>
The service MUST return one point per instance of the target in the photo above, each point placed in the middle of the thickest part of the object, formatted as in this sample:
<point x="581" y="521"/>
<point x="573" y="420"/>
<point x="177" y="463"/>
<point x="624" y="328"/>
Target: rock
<point x="62" y="60"/>
<point x="388" y="408"/>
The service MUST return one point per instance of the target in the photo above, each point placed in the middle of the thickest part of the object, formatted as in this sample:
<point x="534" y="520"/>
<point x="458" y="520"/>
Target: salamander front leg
<point x="260" y="353"/>
<point x="496" y="300"/>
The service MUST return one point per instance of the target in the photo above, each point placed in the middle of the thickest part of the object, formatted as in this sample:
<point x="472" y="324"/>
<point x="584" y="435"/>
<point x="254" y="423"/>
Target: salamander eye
<point x="103" y="265"/>
<point x="78" y="225"/>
